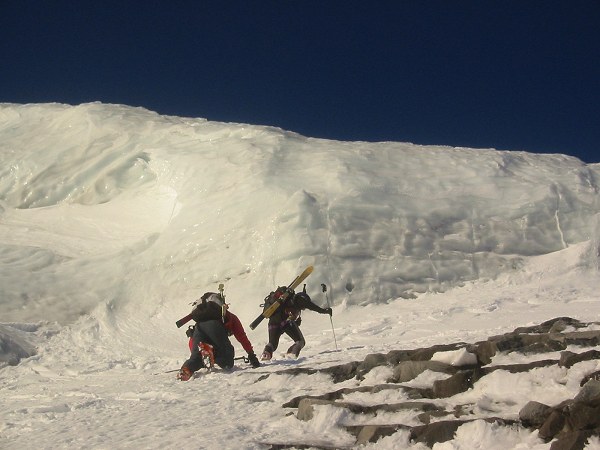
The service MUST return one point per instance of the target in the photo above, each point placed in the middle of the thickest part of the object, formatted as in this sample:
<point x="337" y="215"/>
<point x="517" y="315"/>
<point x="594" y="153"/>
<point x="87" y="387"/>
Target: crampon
<point x="207" y="354"/>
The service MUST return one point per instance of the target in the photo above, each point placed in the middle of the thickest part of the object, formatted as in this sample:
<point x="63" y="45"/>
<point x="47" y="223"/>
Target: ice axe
<point x="324" y="289"/>
<point x="224" y="306"/>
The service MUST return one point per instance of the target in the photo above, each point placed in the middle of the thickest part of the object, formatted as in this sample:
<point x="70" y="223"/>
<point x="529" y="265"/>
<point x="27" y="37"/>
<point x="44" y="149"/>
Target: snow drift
<point x="113" y="219"/>
<point x="179" y="204"/>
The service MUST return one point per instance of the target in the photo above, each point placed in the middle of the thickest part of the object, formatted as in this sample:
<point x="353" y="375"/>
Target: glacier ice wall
<point x="113" y="204"/>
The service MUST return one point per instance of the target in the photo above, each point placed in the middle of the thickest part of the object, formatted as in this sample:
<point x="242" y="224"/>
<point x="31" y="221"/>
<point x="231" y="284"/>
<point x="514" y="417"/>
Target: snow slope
<point x="113" y="219"/>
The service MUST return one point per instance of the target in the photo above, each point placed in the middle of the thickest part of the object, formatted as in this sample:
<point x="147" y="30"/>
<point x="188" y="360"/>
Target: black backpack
<point x="273" y="296"/>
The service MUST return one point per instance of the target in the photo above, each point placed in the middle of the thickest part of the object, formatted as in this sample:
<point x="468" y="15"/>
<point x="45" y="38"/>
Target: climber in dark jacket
<point x="214" y="324"/>
<point x="286" y="319"/>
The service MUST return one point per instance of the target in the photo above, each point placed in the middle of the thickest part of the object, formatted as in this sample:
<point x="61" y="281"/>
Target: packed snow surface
<point x="114" y="219"/>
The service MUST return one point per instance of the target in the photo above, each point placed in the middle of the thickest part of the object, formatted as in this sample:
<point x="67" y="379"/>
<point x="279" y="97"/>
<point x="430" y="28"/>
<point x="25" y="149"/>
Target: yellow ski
<point x="282" y="297"/>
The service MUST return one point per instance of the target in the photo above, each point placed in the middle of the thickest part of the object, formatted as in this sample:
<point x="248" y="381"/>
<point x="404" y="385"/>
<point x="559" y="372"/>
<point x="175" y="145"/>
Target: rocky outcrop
<point x="567" y="425"/>
<point x="15" y="343"/>
<point x="571" y="422"/>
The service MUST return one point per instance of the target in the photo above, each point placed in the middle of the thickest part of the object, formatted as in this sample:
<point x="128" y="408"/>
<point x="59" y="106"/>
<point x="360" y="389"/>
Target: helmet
<point x="216" y="298"/>
<point x="213" y="297"/>
<point x="303" y="295"/>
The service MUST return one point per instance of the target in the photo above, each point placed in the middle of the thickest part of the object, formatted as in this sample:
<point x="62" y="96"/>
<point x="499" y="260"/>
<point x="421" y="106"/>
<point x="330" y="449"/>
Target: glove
<point x="329" y="311"/>
<point x="298" y="321"/>
<point x="253" y="360"/>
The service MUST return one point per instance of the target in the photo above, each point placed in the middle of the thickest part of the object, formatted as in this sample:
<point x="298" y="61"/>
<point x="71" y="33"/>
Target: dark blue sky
<point x="511" y="75"/>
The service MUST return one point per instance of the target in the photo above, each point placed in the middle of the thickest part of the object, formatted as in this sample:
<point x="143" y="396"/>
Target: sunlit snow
<point x="113" y="219"/>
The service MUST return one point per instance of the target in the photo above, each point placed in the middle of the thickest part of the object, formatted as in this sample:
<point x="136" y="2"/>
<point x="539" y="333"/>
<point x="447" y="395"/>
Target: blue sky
<point x="509" y="75"/>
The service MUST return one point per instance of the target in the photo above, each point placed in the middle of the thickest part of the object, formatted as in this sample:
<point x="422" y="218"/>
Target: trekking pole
<point x="168" y="371"/>
<point x="324" y="288"/>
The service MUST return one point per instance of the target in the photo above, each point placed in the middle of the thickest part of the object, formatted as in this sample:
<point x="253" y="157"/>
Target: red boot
<point x="184" y="373"/>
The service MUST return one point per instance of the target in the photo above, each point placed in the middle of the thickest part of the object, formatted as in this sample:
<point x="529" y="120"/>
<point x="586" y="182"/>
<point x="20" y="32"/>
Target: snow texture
<point x="113" y="219"/>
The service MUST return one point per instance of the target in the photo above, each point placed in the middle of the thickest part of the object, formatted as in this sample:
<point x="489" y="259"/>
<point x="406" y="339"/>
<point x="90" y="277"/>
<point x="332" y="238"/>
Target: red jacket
<point x="234" y="326"/>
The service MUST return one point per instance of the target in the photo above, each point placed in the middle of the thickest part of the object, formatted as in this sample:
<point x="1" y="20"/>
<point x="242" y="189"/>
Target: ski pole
<point x="324" y="288"/>
<point x="168" y="371"/>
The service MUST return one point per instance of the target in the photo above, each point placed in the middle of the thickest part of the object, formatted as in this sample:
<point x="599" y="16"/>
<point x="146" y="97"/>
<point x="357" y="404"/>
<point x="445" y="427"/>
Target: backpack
<point x="273" y="296"/>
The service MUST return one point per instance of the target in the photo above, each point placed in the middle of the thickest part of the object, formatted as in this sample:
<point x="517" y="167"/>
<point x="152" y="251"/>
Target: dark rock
<point x="484" y="351"/>
<point x="306" y="407"/>
<point x="581" y="416"/>
<point x="299" y="371"/>
<point x="592" y="376"/>
<point x="317" y="444"/>
<point x="545" y="346"/>
<point x="534" y="414"/>
<point x="435" y="432"/>
<point x="14" y="345"/>
<point x="462" y="411"/>
<point x="558" y="323"/>
<point x="517" y="342"/>
<point x="426" y="417"/>
<point x="552" y="426"/>
<point x="568" y="359"/>
<point x="293" y="403"/>
<point x="509" y="342"/>
<point x="518" y="368"/>
<point x="372" y="433"/>
<point x="574" y="440"/>
<point x="568" y="424"/>
<point x="425" y="354"/>
<point x="395" y="356"/>
<point x="408" y="370"/>
<point x="459" y="382"/>
<point x="370" y="361"/>
<point x="581" y="338"/>
<point x="415" y="393"/>
<point x="338" y="373"/>
<point x="342" y="372"/>
<point x="589" y="393"/>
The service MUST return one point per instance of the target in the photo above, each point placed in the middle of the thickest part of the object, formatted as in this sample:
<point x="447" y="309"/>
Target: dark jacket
<point x="234" y="327"/>
<point x="292" y="307"/>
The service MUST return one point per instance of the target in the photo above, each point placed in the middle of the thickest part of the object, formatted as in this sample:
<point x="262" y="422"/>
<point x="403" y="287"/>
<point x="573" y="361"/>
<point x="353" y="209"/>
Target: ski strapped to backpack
<point x="181" y="322"/>
<point x="281" y="297"/>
